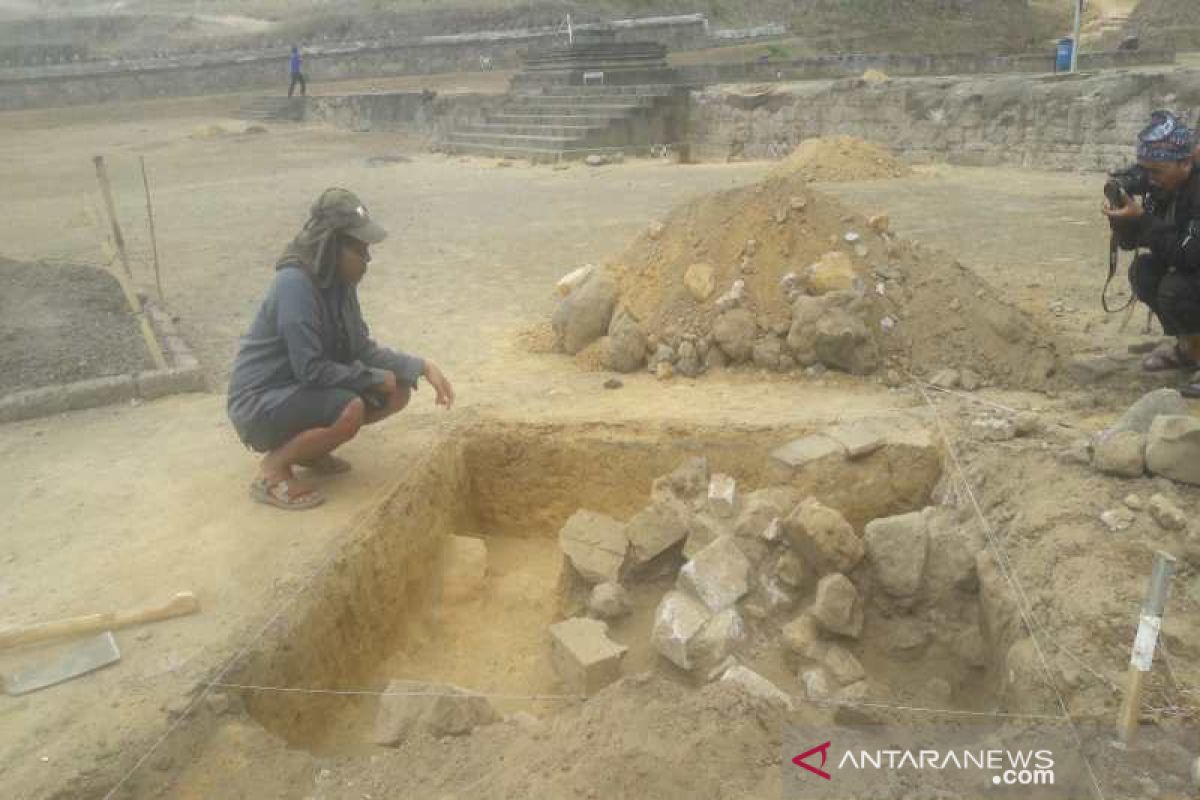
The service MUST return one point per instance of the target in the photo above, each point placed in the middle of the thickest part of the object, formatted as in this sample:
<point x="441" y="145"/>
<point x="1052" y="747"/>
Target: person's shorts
<point x="307" y="408"/>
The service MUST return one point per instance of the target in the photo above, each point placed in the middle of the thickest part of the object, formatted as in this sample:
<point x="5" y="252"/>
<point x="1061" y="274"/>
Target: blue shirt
<point x="296" y="62"/>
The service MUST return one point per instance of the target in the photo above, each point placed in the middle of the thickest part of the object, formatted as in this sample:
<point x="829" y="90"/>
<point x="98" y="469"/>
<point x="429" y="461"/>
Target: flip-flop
<point x="328" y="464"/>
<point x="1167" y="358"/>
<point x="283" y="495"/>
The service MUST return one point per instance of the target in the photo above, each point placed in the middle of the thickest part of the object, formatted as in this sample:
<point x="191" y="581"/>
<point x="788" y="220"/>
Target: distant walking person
<point x="297" y="75"/>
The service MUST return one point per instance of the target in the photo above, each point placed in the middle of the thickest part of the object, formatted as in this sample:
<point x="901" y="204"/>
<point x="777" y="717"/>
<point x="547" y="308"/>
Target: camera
<point x="1125" y="183"/>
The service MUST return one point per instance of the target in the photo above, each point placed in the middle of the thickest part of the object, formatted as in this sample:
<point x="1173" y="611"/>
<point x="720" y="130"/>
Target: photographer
<point x="1167" y="224"/>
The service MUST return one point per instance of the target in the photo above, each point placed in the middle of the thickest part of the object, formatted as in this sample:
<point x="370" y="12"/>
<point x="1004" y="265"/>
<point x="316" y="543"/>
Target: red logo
<point x="823" y="749"/>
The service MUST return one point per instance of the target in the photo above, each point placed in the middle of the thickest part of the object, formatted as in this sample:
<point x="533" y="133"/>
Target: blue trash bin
<point x="1062" y="59"/>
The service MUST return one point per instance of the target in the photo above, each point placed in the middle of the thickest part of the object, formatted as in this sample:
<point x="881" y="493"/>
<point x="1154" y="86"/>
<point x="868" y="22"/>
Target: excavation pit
<point x="387" y="609"/>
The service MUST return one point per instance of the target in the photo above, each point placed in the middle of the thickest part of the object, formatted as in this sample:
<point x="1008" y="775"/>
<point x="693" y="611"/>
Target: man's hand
<point x="445" y="392"/>
<point x="389" y="383"/>
<point x="1131" y="210"/>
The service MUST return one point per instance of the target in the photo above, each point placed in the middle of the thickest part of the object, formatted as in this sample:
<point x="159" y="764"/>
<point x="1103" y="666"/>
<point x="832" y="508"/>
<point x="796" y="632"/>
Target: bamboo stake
<point x="153" y="235"/>
<point x="1144" y="644"/>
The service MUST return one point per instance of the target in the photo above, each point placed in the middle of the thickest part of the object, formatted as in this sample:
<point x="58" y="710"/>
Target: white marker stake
<point x="1142" y="658"/>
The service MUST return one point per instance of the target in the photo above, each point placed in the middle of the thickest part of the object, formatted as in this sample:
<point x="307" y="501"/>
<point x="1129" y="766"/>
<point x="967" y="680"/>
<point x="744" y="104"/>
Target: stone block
<point x="583" y="315"/>
<point x="438" y="709"/>
<point x="656" y="528"/>
<point x="1120" y="453"/>
<point x="859" y="438"/>
<point x="756" y="685"/>
<point x="700" y="280"/>
<point x="1173" y="448"/>
<point x="823" y="538"/>
<point x="717" y="640"/>
<point x="896" y="549"/>
<point x="585" y="659"/>
<point x="802" y="637"/>
<point x="1160" y="402"/>
<point x="808" y="450"/>
<point x="842" y="665"/>
<point x="719" y="575"/>
<point x="722" y="495"/>
<point x="595" y="544"/>
<point x="677" y="621"/>
<point x="838" y="608"/>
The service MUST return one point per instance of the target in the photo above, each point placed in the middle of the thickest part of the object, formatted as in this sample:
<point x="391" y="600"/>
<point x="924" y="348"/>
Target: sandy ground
<point x="124" y="506"/>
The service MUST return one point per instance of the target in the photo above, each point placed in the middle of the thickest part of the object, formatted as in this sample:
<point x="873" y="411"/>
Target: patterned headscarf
<point x="1166" y="138"/>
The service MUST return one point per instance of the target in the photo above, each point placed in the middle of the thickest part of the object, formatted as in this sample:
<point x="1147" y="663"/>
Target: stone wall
<point x="846" y="65"/>
<point x="413" y="113"/>
<point x="1084" y="122"/>
<point x="78" y="82"/>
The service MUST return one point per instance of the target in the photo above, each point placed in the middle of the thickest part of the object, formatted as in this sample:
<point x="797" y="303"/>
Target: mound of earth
<point x="842" y="158"/>
<point x="785" y="277"/>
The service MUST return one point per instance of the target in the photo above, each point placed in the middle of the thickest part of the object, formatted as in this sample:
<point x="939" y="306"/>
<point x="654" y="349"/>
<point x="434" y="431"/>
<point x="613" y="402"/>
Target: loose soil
<point x="760" y="233"/>
<point x="62" y="323"/>
<point x="842" y="158"/>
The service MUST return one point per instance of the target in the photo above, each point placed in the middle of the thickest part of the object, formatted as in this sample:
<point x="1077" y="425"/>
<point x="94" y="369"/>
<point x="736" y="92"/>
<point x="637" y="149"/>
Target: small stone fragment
<point x="608" y="601"/>
<point x="1167" y="514"/>
<point x="842" y="665"/>
<point x="1117" y="519"/>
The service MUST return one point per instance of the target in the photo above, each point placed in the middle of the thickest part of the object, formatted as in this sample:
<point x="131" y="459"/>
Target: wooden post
<point x="126" y="279"/>
<point x="110" y="207"/>
<point x="1144" y="643"/>
<point x="153" y="235"/>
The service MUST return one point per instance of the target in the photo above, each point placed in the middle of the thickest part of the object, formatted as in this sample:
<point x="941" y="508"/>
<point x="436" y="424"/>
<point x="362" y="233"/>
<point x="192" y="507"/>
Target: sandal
<point x="1192" y="387"/>
<point x="1167" y="358"/>
<point x="328" y="464"/>
<point x="284" y="494"/>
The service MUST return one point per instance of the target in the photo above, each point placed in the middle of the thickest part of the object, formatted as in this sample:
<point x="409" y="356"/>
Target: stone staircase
<point x="273" y="108"/>
<point x="554" y="123"/>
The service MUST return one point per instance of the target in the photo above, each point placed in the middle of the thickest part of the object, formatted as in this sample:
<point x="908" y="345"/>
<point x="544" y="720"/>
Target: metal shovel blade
<point x="76" y="659"/>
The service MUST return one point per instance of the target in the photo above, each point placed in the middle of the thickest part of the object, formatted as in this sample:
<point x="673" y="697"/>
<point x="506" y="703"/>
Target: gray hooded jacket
<point x="309" y="331"/>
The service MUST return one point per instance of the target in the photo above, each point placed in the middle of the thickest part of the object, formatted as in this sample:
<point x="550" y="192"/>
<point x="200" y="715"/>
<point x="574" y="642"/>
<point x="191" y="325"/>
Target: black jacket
<point x="1170" y="228"/>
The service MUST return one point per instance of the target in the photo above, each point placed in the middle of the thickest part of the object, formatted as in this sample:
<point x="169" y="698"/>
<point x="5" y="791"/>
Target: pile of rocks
<point x="1157" y="434"/>
<point x="768" y="569"/>
<point x="831" y="325"/>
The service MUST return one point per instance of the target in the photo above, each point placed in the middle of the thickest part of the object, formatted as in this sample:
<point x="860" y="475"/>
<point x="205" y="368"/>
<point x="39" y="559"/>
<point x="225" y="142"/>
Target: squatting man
<point x="1165" y="221"/>
<point x="308" y="375"/>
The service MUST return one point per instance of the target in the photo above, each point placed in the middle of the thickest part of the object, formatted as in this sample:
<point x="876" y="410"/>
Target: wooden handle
<point x="1130" y="713"/>
<point x="180" y="605"/>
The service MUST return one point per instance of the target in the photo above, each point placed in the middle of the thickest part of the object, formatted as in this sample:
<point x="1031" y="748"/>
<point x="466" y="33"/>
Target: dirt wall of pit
<point x="1082" y="122"/>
